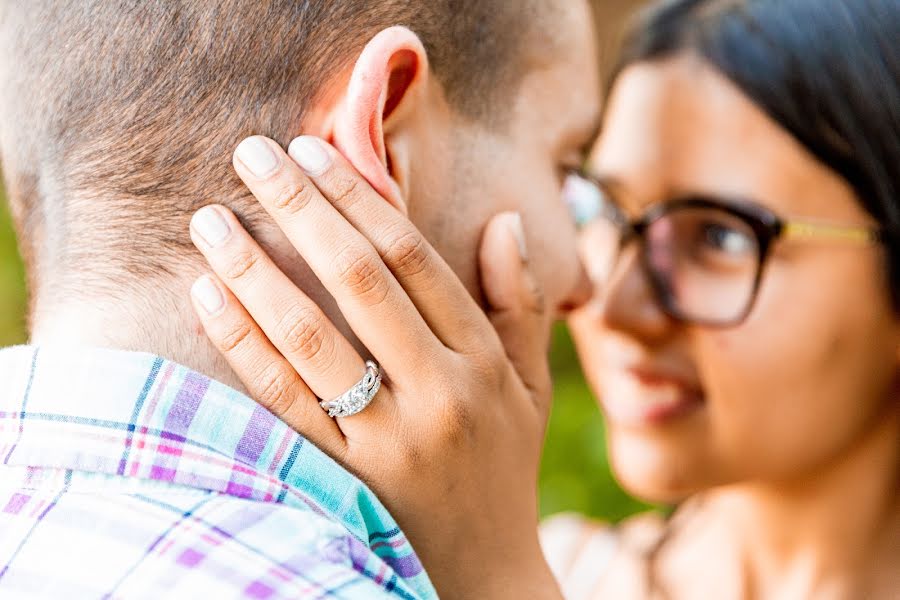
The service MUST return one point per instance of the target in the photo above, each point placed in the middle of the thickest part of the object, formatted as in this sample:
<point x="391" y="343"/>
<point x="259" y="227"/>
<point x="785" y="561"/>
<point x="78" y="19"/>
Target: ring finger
<point x="296" y="326"/>
<point x="265" y="373"/>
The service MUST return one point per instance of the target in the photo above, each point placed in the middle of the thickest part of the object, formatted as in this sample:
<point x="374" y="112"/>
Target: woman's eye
<point x="726" y="239"/>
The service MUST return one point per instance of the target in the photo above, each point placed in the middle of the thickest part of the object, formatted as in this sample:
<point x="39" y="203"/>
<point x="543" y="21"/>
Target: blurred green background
<point x="574" y="476"/>
<point x="12" y="283"/>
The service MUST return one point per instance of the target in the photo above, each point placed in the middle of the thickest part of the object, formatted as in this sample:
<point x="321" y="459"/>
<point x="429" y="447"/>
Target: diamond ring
<point x="357" y="398"/>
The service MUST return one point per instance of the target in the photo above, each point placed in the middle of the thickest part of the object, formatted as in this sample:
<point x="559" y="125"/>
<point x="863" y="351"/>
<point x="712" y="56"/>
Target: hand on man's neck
<point x="157" y="316"/>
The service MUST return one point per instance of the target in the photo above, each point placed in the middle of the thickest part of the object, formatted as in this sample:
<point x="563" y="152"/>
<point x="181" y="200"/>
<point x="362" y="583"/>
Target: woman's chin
<point x="655" y="470"/>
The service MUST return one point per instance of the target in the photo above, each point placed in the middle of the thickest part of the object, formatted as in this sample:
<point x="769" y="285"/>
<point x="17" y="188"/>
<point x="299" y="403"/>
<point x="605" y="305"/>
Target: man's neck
<point x="161" y="322"/>
<point x="157" y="316"/>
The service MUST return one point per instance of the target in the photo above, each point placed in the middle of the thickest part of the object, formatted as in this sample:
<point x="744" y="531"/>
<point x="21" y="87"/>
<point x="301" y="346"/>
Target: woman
<point x="744" y="335"/>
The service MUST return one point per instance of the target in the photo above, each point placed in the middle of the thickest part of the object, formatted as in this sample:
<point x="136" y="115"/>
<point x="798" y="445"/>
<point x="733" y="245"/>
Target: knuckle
<point x="295" y="197"/>
<point x="459" y="411"/>
<point x="407" y="254"/>
<point x="345" y="190"/>
<point x="235" y="337"/>
<point x="460" y="424"/>
<point x="275" y="390"/>
<point x="361" y="274"/>
<point x="241" y="264"/>
<point x="488" y="360"/>
<point x="497" y="361"/>
<point x="301" y="333"/>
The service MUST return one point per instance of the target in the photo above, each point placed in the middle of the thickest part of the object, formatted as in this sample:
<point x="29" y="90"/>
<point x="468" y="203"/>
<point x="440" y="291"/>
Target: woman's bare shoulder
<point x="566" y="536"/>
<point x="584" y="553"/>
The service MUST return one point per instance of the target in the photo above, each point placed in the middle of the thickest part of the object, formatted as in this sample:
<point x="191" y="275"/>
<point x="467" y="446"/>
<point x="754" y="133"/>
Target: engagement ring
<point x="357" y="398"/>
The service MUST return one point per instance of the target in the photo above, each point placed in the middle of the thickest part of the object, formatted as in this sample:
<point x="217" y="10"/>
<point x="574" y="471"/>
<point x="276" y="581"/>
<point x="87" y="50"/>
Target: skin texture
<point x="389" y="115"/>
<point x="394" y="289"/>
<point x="389" y="118"/>
<point x="791" y="457"/>
<point x="787" y="453"/>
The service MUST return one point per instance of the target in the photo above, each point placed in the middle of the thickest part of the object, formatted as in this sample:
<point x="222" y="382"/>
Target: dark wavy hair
<point x="827" y="71"/>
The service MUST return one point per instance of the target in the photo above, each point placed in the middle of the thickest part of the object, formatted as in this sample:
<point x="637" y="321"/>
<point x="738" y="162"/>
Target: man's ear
<point x="387" y="84"/>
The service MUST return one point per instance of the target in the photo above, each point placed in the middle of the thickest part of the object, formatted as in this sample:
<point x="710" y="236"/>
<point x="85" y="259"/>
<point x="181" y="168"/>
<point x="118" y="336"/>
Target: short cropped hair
<point x="119" y="117"/>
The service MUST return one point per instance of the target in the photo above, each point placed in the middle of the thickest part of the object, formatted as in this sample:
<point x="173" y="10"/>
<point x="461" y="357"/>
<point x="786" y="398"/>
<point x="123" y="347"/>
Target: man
<point x="125" y="473"/>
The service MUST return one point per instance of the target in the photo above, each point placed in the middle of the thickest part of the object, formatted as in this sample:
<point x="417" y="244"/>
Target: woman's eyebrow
<point x="677" y="195"/>
<point x="616" y="188"/>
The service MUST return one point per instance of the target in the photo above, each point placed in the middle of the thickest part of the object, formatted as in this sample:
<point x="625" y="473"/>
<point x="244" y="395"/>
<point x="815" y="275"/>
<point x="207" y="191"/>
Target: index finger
<point x="438" y="294"/>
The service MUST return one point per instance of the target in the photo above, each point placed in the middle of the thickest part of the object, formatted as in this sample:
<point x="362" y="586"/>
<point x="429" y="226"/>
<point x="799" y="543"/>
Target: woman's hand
<point x="451" y="442"/>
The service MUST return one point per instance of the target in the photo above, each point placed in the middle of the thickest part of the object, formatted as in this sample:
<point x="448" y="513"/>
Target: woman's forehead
<point x="678" y="127"/>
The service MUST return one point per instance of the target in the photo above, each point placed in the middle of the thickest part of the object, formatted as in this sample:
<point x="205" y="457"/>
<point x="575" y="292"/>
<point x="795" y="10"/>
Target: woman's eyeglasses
<point x="704" y="258"/>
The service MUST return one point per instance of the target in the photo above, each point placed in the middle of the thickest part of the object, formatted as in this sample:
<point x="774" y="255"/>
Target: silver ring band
<point x="357" y="398"/>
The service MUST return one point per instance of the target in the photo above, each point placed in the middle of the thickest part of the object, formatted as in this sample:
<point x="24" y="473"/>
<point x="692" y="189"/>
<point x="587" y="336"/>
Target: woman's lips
<point x="642" y="397"/>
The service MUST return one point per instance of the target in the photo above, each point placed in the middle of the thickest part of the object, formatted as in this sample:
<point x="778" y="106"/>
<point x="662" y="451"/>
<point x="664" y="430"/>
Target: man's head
<point x="120" y="117"/>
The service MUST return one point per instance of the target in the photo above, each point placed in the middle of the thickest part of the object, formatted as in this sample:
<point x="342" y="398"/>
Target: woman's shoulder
<point x="568" y="538"/>
<point x="581" y="551"/>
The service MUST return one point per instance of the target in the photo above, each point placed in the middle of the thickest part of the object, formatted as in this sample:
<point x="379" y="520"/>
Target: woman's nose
<point x="627" y="302"/>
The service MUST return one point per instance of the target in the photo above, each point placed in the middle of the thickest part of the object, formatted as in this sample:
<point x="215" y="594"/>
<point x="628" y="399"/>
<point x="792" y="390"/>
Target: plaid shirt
<point x="124" y="475"/>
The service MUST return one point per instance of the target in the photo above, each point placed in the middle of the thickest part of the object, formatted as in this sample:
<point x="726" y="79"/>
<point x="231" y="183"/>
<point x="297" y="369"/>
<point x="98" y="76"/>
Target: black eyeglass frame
<point x="767" y="226"/>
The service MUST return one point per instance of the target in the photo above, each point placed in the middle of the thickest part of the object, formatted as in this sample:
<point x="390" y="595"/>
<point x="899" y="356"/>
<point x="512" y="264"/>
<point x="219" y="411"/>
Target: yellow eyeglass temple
<point x="857" y="235"/>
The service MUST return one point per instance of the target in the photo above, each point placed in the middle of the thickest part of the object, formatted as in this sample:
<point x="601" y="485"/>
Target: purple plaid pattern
<point x="124" y="475"/>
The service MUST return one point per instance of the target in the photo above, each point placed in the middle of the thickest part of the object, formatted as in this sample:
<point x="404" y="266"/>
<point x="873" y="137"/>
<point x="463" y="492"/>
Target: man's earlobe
<point x="387" y="84"/>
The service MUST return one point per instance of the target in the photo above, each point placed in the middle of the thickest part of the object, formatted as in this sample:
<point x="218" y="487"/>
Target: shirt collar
<point x="138" y="415"/>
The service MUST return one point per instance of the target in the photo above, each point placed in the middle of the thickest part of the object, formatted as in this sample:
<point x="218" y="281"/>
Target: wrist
<point x="488" y="571"/>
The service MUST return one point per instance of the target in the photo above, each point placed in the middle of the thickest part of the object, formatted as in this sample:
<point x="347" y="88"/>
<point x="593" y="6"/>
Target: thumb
<point x="516" y="304"/>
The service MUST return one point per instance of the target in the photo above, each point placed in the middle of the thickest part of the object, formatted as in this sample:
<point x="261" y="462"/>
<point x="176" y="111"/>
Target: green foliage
<point x="12" y="285"/>
<point x="574" y="476"/>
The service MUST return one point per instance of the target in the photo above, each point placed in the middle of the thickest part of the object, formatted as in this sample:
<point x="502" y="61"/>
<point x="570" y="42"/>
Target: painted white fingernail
<point x="257" y="156"/>
<point x="208" y="295"/>
<point x="209" y="224"/>
<point x="310" y="154"/>
<point x="518" y="230"/>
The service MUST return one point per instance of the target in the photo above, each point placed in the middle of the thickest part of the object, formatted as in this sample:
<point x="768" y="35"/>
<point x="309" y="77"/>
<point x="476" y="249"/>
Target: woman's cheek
<point x="587" y="336"/>
<point x="759" y="377"/>
<point x="739" y="399"/>
<point x="788" y="394"/>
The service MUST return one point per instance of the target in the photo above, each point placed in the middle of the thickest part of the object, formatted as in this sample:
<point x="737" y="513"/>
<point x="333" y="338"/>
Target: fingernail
<point x="518" y="230"/>
<point x="208" y="296"/>
<point x="257" y="156"/>
<point x="310" y="154"/>
<point x="209" y="224"/>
